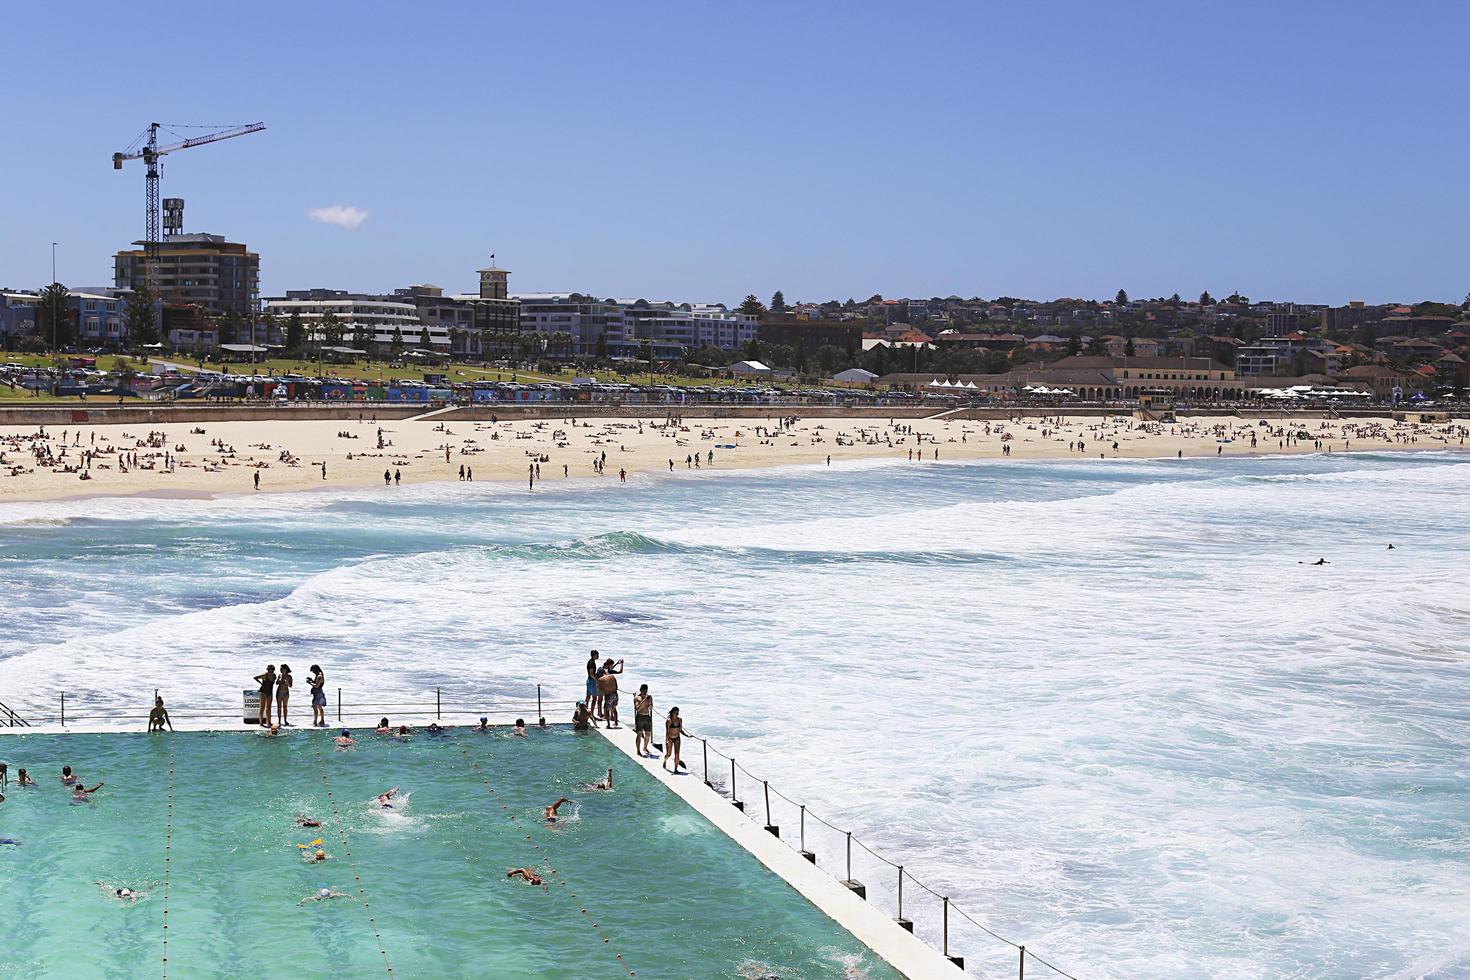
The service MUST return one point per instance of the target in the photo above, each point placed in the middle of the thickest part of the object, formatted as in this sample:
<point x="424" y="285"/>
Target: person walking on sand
<point x="318" y="682"/>
<point x="643" y="722"/>
<point x="267" y="682"/>
<point x="673" y="733"/>
<point x="283" y="695"/>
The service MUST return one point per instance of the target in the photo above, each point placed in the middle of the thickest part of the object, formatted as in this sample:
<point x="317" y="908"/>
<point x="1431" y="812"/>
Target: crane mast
<point x="150" y="153"/>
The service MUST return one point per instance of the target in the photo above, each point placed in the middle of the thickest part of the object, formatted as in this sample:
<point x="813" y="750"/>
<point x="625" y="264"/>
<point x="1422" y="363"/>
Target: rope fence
<point x="888" y="885"/>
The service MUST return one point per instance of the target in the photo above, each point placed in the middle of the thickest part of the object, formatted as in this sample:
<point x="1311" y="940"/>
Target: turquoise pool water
<point x="668" y="891"/>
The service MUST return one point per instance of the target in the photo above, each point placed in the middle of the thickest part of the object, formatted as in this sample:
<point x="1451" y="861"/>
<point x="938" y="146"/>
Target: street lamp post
<point x="53" y="296"/>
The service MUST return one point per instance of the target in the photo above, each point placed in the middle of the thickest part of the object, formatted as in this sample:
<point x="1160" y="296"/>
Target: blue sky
<point x="1315" y="151"/>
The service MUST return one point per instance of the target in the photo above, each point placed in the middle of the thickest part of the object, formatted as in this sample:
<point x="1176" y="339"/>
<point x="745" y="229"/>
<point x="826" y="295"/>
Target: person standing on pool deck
<point x="267" y="682"/>
<point x="318" y="682"/>
<point x="592" y="684"/>
<point x="607" y="686"/>
<point x="673" y="732"/>
<point x="283" y="694"/>
<point x="643" y="722"/>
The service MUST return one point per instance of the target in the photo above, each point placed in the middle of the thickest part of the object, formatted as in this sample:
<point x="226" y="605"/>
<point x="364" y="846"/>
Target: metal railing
<point x="929" y="914"/>
<point x="9" y="718"/>
<point x="452" y="706"/>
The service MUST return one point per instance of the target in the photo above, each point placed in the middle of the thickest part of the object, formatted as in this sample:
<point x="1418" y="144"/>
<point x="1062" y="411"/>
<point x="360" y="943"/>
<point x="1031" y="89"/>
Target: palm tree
<point x="267" y="322"/>
<point x="58" y="324"/>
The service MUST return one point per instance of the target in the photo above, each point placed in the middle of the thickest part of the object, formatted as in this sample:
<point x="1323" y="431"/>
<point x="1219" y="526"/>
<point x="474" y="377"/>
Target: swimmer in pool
<point x="67" y="779"/>
<point x="314" y="856"/>
<point x="121" y="894"/>
<point x="483" y="726"/>
<point x="528" y="875"/>
<point x="383" y="728"/>
<point x="344" y="740"/>
<point x="24" y="779"/>
<point x="80" y="794"/>
<point x="520" y="728"/>
<point x="604" y="786"/>
<point x="403" y="732"/>
<point x="306" y="821"/>
<point x="434" y="728"/>
<point x="272" y="731"/>
<point x="9" y="840"/>
<point x="323" y="893"/>
<point x="550" y="812"/>
<point x="385" y="800"/>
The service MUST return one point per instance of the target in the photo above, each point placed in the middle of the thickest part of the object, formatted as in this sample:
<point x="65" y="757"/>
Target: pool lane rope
<point x="168" y="843"/>
<point x="352" y="864"/>
<point x="545" y="861"/>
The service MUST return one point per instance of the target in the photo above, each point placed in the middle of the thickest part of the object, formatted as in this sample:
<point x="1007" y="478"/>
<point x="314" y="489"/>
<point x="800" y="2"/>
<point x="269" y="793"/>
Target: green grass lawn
<point x="373" y="371"/>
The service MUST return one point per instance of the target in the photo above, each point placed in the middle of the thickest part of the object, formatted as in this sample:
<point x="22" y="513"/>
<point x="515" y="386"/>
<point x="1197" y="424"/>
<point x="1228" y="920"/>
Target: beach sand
<point x="288" y="454"/>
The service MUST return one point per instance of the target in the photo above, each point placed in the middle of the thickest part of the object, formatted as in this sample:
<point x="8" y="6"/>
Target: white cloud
<point x="341" y="215"/>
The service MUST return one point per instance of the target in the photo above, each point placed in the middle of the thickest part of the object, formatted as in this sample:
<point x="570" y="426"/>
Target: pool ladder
<point x="10" y="718"/>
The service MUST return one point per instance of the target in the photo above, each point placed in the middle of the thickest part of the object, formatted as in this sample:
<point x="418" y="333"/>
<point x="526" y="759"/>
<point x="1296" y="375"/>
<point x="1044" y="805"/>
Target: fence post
<point x="770" y="827"/>
<point x="63" y="709"/>
<point x="705" y="742"/>
<point x="958" y="961"/>
<point x="540" y="715"/>
<point x="856" y="887"/>
<point x="1021" y="974"/>
<point x="438" y="705"/>
<point x="739" y="804"/>
<point x="339" y="704"/>
<point x="804" y="852"/>
<point x="902" y="922"/>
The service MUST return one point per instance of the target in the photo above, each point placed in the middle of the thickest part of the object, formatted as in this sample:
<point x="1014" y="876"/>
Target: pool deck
<point x="902" y="950"/>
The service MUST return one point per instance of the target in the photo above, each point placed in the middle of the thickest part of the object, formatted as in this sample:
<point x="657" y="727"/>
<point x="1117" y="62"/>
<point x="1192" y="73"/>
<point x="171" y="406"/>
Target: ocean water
<point x="1106" y="706"/>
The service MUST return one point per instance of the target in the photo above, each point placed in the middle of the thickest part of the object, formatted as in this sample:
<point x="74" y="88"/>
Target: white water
<point x="1101" y="705"/>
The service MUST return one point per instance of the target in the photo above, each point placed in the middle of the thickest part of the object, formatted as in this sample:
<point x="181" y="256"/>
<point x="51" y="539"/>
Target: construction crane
<point x="150" y="152"/>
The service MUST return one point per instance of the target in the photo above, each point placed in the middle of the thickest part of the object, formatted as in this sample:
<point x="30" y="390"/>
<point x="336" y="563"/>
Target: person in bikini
<point x="673" y="733"/>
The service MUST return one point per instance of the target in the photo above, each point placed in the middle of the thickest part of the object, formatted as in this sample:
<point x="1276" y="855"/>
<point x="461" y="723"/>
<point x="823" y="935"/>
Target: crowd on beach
<point x="35" y="461"/>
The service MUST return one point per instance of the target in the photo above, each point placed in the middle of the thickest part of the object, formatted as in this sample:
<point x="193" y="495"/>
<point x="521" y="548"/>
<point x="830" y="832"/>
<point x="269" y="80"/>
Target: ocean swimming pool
<point x="660" y="886"/>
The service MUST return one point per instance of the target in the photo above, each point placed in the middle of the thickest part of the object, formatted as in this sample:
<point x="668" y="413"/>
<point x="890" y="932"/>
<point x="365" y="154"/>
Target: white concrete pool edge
<point x="901" y="949"/>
